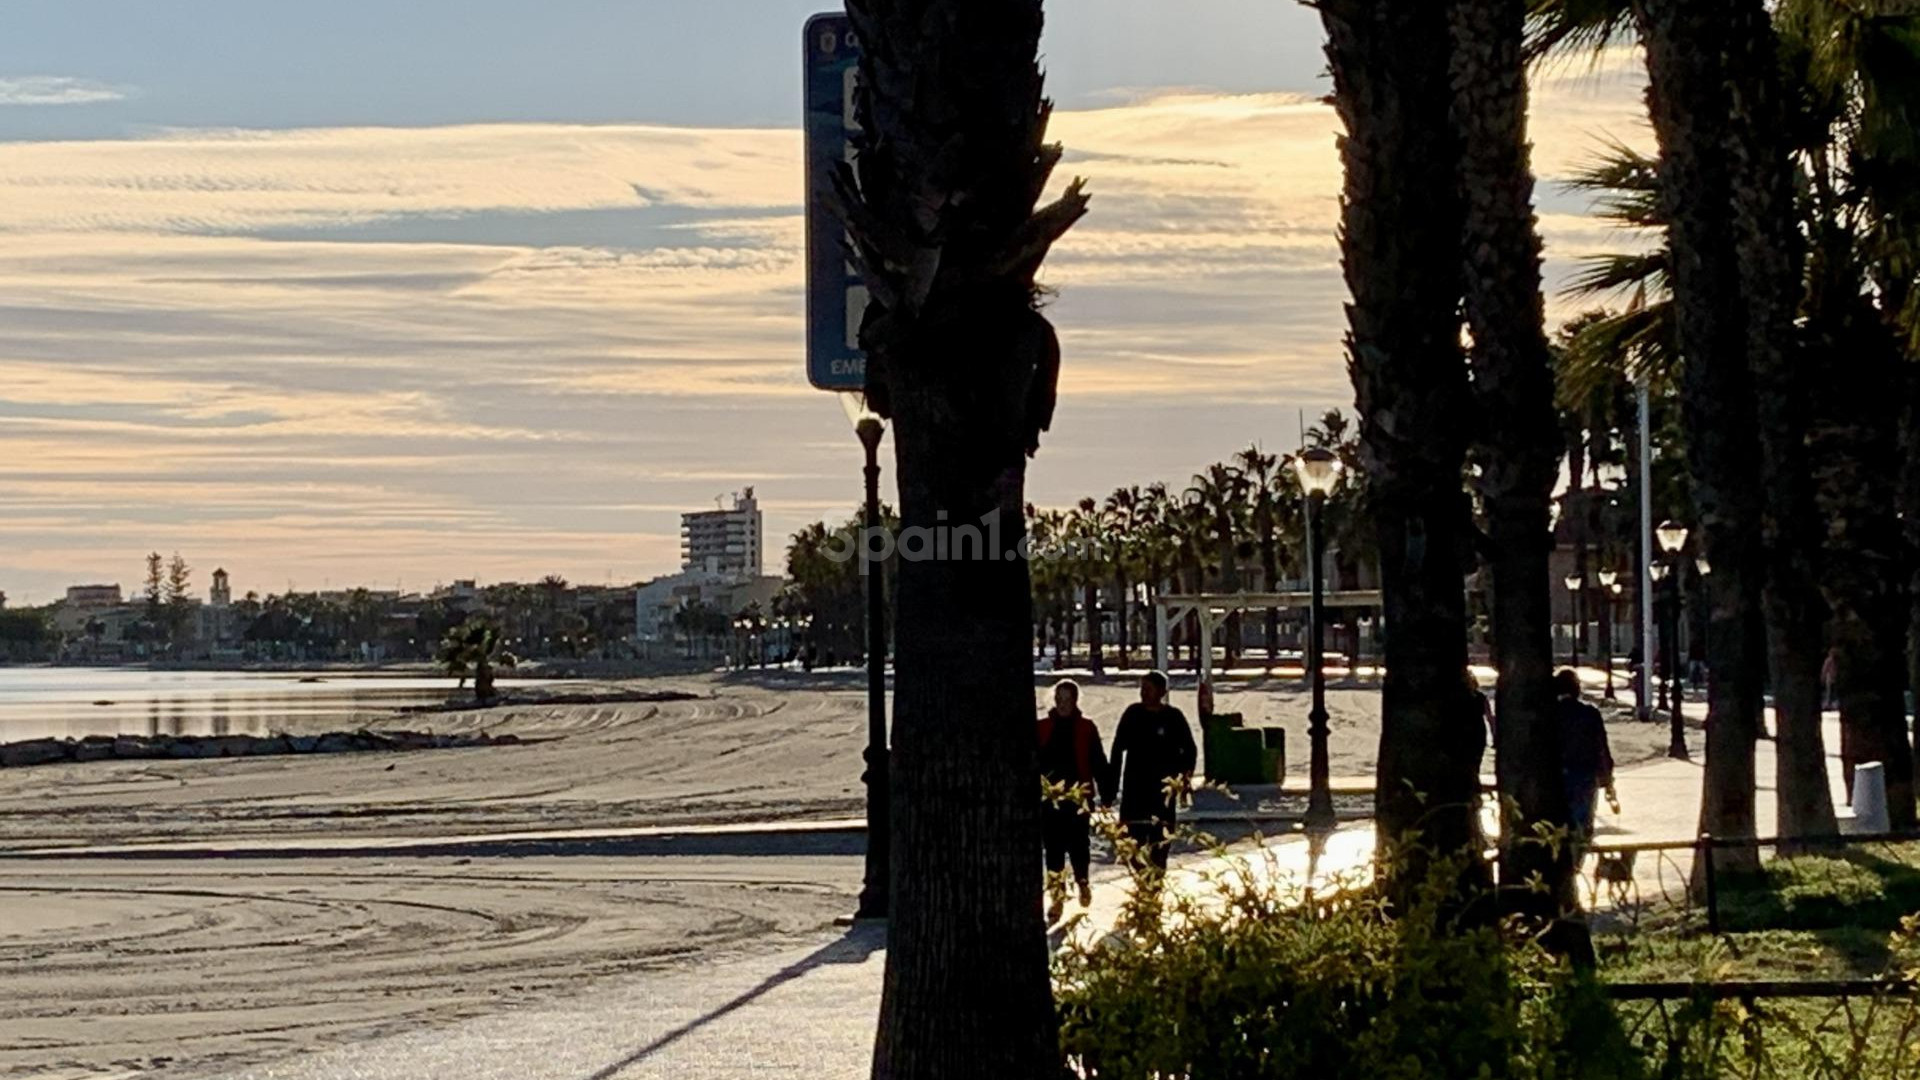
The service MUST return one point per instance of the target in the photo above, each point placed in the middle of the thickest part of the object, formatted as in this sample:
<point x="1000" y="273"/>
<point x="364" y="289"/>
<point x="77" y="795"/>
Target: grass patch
<point x="1814" y="916"/>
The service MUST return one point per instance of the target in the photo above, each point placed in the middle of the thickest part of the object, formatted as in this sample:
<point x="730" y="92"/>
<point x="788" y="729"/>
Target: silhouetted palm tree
<point x="940" y="203"/>
<point x="1518" y="455"/>
<point x="1257" y="476"/>
<point x="1122" y="521"/>
<point x="1218" y="497"/>
<point x="1400" y="248"/>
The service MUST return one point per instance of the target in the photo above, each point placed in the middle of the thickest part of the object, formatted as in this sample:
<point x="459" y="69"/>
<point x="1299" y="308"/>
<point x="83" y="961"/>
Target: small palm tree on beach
<point x="474" y="648"/>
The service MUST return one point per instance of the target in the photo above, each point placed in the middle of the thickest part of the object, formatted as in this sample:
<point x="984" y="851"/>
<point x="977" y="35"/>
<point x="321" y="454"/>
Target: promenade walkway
<point x="808" y="1011"/>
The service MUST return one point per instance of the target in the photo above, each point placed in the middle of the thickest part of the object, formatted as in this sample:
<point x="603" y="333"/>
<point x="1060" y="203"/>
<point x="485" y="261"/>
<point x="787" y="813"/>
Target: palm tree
<point x="1158" y="548"/>
<point x="940" y="205"/>
<point x="1218" y="496"/>
<point x="1400" y="247"/>
<point x="1518" y="457"/>
<point x="1121" y="517"/>
<point x="1638" y="342"/>
<point x="1832" y="51"/>
<point x="1690" y="109"/>
<point x="1092" y="562"/>
<point x="474" y="648"/>
<point x="1852" y="67"/>
<point x="1053" y="581"/>
<point x="1768" y="256"/>
<point x="1191" y="532"/>
<point x="1258" y="479"/>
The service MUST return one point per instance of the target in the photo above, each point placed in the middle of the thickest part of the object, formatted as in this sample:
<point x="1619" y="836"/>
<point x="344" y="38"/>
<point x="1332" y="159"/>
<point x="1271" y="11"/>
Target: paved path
<point x="809" y="1011"/>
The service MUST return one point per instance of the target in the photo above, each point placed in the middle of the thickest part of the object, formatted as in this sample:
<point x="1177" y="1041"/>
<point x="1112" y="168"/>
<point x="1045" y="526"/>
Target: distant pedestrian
<point x="1483" y="706"/>
<point x="1152" y="748"/>
<point x="1071" y="756"/>
<point x="1586" y="761"/>
<point x="1829" y="675"/>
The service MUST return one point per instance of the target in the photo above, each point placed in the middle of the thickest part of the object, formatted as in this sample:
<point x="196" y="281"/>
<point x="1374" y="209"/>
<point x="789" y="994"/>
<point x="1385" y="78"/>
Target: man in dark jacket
<point x="1154" y="745"/>
<point x="1586" y="761"/>
<point x="1074" y="764"/>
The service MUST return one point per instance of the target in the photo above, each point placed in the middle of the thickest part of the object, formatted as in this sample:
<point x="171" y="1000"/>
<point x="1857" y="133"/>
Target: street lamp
<point x="1574" y="583"/>
<point x="868" y="426"/>
<point x="1673" y="538"/>
<point x="1664" y="649"/>
<point x="1319" y="473"/>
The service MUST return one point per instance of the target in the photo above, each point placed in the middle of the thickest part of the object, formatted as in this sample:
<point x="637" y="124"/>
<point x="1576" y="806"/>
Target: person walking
<point x="1152" y="747"/>
<point x="1586" y="761"/>
<point x="1074" y="765"/>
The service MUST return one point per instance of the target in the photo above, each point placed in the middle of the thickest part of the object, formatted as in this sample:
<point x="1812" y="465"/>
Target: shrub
<point x="1256" y="979"/>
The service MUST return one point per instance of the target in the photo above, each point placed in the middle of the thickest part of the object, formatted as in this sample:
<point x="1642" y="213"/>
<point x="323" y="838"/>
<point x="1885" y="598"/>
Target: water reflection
<point x="76" y="702"/>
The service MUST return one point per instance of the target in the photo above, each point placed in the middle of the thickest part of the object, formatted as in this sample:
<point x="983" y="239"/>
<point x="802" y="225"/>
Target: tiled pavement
<point x="809" y="1011"/>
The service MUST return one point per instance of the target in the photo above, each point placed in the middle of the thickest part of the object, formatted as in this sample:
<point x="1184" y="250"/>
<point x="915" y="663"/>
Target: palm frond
<point x="1619" y="272"/>
<point x="1625" y="185"/>
<point x="1571" y="28"/>
<point x="1603" y="349"/>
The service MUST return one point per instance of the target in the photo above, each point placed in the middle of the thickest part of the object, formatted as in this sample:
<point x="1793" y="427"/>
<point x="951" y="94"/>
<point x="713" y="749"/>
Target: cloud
<point x="513" y="349"/>
<point x="55" y="90"/>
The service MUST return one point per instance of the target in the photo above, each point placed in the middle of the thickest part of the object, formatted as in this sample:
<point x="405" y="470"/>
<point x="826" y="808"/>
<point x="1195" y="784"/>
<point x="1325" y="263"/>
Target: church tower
<point x="221" y="594"/>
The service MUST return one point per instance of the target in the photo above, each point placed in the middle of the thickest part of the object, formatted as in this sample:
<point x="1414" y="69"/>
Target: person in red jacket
<point x="1071" y="756"/>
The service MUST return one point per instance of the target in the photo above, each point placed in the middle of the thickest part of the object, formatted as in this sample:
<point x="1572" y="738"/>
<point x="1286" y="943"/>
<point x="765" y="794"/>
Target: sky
<point x="392" y="294"/>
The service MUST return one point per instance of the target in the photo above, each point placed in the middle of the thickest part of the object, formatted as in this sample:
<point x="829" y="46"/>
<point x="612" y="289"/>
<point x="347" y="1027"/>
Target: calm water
<point x="73" y="702"/>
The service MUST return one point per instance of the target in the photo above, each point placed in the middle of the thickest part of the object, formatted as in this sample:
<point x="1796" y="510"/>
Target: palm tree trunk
<point x="1859" y="501"/>
<point x="966" y="964"/>
<point x="1766" y="245"/>
<point x="1270" y="569"/>
<point x="1400" y="247"/>
<point x="1229" y="582"/>
<point x="1123" y="612"/>
<point x="1520" y="461"/>
<point x="1689" y="108"/>
<point x="951" y="161"/>
<point x="1910" y="512"/>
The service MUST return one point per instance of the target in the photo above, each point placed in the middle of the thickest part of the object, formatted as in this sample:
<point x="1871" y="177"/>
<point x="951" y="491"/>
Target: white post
<point x="1160" y="635"/>
<point x="1205" y="612"/>
<point x="1644" y="705"/>
<point x="1869" y="800"/>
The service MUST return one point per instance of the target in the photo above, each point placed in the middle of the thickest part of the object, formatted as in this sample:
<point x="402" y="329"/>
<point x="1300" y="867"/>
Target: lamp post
<point x="1574" y="583"/>
<point x="1664" y="647"/>
<point x="1609" y="588"/>
<point x="1319" y="472"/>
<point x="1673" y="537"/>
<point x="875" y="889"/>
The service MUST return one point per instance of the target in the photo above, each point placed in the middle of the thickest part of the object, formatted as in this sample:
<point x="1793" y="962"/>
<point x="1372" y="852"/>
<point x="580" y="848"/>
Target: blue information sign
<point x="836" y="299"/>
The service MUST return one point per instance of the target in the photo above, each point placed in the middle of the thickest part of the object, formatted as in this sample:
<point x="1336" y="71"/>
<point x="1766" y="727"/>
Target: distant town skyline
<point x="367" y="295"/>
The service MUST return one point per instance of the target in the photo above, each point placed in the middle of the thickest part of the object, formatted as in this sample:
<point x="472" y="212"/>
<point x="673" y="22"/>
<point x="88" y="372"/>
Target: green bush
<point x="1256" y="980"/>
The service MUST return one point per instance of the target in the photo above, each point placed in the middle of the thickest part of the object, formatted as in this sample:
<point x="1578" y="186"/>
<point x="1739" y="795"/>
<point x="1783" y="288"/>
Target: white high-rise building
<point x="726" y="542"/>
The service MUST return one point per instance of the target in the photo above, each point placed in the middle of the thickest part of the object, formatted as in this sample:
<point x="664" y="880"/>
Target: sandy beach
<point x="189" y="966"/>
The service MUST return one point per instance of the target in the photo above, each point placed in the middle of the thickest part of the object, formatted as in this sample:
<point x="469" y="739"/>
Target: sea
<point x="74" y="702"/>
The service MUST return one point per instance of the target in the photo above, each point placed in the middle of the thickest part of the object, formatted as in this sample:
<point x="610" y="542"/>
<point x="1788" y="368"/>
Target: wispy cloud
<point x="55" y="90"/>
<point x="509" y="349"/>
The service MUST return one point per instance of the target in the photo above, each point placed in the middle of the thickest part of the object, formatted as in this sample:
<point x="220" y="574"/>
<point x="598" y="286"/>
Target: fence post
<point x="1705" y="855"/>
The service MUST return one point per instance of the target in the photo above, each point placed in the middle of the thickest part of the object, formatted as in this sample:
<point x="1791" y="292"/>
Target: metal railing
<point x="1762" y="1030"/>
